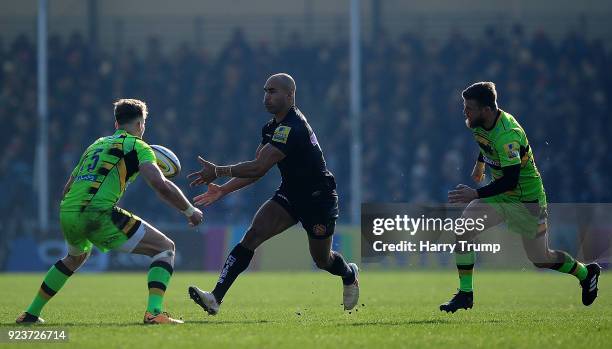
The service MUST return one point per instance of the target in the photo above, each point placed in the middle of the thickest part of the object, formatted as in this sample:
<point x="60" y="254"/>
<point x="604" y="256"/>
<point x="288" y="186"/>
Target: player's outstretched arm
<point x="267" y="157"/>
<point x="216" y="192"/>
<point x="169" y="192"/>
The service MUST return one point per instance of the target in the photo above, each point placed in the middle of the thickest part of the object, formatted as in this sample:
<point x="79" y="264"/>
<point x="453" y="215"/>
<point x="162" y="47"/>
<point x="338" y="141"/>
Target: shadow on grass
<point x="256" y="322"/>
<point x="217" y="323"/>
<point x="130" y="324"/>
<point x="72" y="324"/>
<point x="419" y="322"/>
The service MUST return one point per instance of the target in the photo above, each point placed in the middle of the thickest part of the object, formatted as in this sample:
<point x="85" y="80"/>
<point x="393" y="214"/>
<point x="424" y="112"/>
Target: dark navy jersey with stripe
<point x="303" y="170"/>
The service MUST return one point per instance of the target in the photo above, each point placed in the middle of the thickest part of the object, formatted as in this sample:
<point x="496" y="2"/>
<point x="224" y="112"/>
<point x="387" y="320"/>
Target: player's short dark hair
<point x="483" y="92"/>
<point x="127" y="110"/>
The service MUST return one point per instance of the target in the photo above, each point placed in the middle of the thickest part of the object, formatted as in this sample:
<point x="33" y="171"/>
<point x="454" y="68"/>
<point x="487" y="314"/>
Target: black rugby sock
<point x="339" y="267"/>
<point x="237" y="262"/>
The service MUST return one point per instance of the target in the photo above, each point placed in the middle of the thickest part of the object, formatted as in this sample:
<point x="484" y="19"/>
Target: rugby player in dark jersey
<point x="307" y="194"/>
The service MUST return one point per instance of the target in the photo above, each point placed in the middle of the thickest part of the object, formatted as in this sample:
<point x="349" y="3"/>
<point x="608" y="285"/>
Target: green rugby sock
<point x="465" y="267"/>
<point x="56" y="277"/>
<point x="571" y="266"/>
<point x="158" y="279"/>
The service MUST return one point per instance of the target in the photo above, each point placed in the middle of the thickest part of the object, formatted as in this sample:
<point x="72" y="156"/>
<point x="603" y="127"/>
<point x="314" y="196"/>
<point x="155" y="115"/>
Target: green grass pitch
<point x="396" y="309"/>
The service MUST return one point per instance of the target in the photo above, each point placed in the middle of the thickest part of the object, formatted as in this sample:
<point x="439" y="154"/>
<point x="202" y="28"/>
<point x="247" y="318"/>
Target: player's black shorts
<point x="317" y="213"/>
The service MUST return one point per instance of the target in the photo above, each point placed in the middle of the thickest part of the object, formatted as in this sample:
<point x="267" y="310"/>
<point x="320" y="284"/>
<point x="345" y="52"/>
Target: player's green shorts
<point x="107" y="230"/>
<point x="520" y="217"/>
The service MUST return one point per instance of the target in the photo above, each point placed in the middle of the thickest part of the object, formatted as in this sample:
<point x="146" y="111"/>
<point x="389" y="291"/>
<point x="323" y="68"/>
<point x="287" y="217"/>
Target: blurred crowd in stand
<point x="415" y="143"/>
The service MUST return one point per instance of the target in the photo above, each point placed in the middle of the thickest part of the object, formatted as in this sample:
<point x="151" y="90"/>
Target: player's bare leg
<point x="542" y="257"/>
<point x="271" y="219"/>
<point x="465" y="258"/>
<point x="162" y="250"/>
<point x="56" y="277"/>
<point x="333" y="262"/>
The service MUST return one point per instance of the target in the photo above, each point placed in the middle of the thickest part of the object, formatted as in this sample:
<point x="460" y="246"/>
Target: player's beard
<point x="474" y="123"/>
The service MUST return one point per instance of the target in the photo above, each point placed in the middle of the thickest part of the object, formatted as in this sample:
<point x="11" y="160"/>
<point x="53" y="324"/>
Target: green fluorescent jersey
<point x="506" y="145"/>
<point x="105" y="169"/>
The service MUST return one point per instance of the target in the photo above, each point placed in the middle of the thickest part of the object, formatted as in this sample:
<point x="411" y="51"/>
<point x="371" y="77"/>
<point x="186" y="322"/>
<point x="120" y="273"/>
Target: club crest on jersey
<point x="319" y="230"/>
<point x="281" y="134"/>
<point x="512" y="150"/>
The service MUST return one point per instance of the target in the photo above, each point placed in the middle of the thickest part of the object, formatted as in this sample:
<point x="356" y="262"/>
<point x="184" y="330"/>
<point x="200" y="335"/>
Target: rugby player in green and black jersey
<point x="515" y="196"/>
<point x="307" y="194"/>
<point x="89" y="215"/>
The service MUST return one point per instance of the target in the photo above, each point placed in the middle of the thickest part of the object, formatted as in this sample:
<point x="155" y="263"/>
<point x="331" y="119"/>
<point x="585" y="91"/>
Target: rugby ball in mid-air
<point x="167" y="161"/>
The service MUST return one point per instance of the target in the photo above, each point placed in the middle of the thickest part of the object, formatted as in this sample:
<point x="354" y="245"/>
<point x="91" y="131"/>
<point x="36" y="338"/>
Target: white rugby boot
<point x="205" y="299"/>
<point x="350" y="295"/>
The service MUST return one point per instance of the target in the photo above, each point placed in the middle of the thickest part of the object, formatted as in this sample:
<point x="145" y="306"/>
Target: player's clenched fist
<point x="196" y="217"/>
<point x="462" y="194"/>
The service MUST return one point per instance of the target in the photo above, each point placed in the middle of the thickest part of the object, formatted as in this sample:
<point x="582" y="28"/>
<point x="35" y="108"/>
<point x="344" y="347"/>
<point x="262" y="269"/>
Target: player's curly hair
<point x="127" y="110"/>
<point x="483" y="92"/>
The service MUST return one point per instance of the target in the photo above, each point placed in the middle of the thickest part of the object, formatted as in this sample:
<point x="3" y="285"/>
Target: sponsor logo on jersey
<point x="512" y="150"/>
<point x="88" y="177"/>
<point x="490" y="161"/>
<point x="281" y="134"/>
